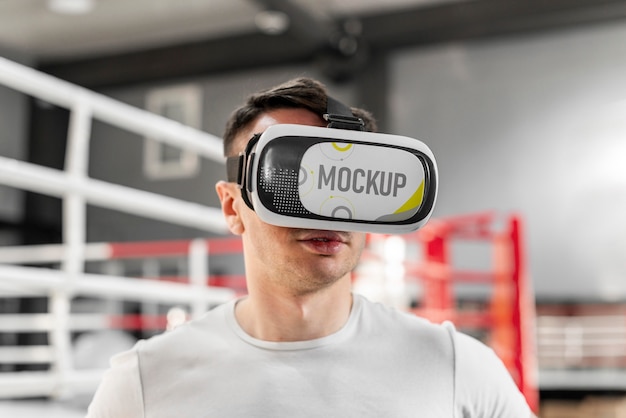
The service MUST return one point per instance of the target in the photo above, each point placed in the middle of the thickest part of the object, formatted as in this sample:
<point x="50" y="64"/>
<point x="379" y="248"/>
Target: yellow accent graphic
<point x="414" y="201"/>
<point x="340" y="148"/>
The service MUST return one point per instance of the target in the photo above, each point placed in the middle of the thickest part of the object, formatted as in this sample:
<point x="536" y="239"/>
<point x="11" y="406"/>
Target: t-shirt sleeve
<point x="120" y="393"/>
<point x="483" y="386"/>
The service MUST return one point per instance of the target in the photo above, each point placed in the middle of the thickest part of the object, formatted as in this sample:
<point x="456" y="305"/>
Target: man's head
<point x="299" y="93"/>
<point x="299" y="259"/>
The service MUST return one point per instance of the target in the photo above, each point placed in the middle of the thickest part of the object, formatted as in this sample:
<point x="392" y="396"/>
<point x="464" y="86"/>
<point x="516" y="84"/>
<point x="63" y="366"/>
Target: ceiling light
<point x="71" y="7"/>
<point x="272" y="22"/>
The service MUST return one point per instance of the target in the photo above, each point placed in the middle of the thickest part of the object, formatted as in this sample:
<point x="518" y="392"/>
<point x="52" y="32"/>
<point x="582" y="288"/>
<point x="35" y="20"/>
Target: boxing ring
<point x="76" y="190"/>
<point x="505" y="316"/>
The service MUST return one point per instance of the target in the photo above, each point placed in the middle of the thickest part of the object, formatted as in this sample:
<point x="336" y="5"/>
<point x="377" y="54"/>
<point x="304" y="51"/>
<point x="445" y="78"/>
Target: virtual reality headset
<point x="347" y="179"/>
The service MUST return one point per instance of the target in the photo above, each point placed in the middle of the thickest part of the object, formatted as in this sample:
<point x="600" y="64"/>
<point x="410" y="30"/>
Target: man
<point x="301" y="344"/>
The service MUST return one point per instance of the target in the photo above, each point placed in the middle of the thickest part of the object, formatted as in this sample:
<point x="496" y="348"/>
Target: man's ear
<point x="230" y="198"/>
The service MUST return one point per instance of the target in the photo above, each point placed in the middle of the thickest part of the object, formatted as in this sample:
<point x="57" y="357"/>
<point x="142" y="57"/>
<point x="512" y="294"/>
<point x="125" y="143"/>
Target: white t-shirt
<point x="382" y="363"/>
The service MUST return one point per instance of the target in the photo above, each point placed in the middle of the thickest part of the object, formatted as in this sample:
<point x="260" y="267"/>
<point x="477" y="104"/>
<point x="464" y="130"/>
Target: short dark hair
<point x="297" y="93"/>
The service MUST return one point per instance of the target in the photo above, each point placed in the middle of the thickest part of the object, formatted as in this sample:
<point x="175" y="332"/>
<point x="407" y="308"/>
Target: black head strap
<point x="236" y="166"/>
<point x="233" y="168"/>
<point x="339" y="116"/>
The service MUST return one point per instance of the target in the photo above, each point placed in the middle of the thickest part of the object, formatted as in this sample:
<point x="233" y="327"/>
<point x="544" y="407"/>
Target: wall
<point x="534" y="125"/>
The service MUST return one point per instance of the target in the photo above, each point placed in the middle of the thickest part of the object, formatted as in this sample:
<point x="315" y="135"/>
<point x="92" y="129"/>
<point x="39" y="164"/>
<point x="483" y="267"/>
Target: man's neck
<point x="274" y="315"/>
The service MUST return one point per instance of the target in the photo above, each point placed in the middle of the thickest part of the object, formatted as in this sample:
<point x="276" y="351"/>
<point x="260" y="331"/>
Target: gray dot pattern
<point x="282" y="184"/>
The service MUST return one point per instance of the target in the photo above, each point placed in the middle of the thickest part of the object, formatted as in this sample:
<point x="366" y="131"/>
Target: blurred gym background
<point x="110" y="118"/>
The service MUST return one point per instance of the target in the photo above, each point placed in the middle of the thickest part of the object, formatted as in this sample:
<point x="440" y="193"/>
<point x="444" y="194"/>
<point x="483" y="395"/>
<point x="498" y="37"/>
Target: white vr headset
<point x="342" y="179"/>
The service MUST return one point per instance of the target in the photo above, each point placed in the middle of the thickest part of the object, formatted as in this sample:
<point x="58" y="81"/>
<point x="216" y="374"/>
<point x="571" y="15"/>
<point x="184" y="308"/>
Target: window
<point x="182" y="104"/>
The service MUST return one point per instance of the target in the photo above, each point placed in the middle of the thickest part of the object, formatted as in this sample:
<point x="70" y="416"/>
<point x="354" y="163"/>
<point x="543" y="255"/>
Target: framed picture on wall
<point x="183" y="104"/>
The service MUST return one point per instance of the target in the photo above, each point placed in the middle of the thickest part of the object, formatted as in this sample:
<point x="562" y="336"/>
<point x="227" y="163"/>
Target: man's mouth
<point x="324" y="242"/>
<point x="324" y="236"/>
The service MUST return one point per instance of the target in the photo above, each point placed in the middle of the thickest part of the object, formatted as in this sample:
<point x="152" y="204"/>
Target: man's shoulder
<point x="407" y="328"/>
<point x="393" y="323"/>
<point x="205" y="333"/>
<point x="382" y="312"/>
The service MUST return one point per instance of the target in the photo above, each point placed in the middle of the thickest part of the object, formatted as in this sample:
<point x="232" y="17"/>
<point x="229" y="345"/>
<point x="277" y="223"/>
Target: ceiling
<point x="152" y="39"/>
<point x="113" y="26"/>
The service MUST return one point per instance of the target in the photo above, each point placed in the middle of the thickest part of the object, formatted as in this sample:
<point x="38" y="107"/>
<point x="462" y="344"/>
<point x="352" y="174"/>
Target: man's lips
<point x="324" y="242"/>
<point x="324" y="236"/>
